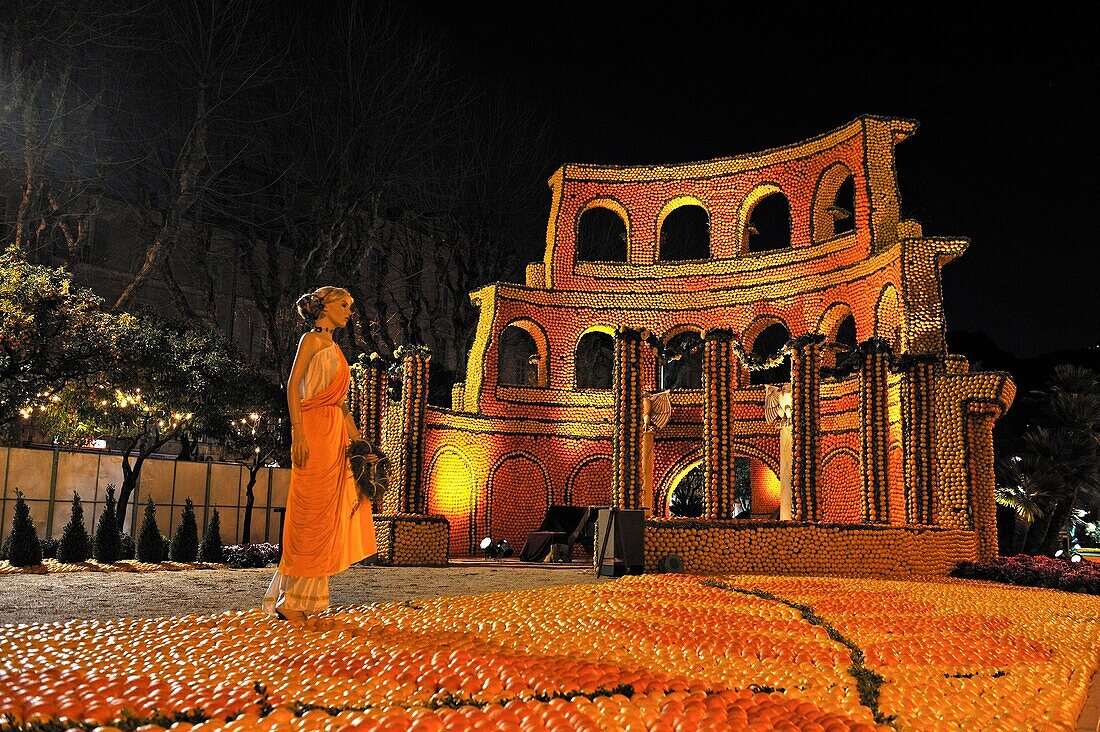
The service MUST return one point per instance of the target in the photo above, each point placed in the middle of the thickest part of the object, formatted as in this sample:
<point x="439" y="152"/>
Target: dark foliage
<point x="211" y="549"/>
<point x="25" y="549"/>
<point x="251" y="555"/>
<point x="151" y="546"/>
<point x="49" y="548"/>
<point x="185" y="539"/>
<point x="687" y="496"/>
<point x="76" y="545"/>
<point x="1032" y="571"/>
<point x="107" y="546"/>
<point x="127" y="546"/>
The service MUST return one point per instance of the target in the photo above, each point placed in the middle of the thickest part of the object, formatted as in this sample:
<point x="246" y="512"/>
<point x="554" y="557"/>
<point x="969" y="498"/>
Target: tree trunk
<point x="250" y="493"/>
<point x="187" y="448"/>
<point x="1019" y="535"/>
<point x="1059" y="516"/>
<point x="129" y="481"/>
<point x="1037" y="531"/>
<point x="131" y="475"/>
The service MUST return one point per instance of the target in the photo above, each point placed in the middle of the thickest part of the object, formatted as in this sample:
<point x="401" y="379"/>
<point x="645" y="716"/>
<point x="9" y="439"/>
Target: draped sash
<point x="321" y="537"/>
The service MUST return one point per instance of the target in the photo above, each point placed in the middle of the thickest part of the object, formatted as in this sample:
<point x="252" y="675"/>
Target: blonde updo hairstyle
<point x="312" y="304"/>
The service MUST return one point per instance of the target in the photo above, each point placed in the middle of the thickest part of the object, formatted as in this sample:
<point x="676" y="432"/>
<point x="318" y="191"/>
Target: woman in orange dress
<point x="327" y="527"/>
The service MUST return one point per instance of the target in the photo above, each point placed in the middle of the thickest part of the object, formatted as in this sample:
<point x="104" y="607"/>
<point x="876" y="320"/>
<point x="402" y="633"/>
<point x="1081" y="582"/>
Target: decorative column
<point x="367" y="396"/>
<point x="805" y="415"/>
<point x="627" y="477"/>
<point x="981" y="417"/>
<point x="719" y="382"/>
<point x="405" y="434"/>
<point x="874" y="429"/>
<point x="917" y="411"/>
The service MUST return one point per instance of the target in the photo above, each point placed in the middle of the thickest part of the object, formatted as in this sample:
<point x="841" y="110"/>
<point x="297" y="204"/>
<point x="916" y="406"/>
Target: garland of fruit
<point x="626" y="476"/>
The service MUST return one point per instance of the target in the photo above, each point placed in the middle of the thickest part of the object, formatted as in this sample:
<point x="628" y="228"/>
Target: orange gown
<point x="324" y="533"/>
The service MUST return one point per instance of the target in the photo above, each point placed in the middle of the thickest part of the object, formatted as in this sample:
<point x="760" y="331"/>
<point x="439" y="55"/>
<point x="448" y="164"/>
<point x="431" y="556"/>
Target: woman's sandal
<point x="301" y="619"/>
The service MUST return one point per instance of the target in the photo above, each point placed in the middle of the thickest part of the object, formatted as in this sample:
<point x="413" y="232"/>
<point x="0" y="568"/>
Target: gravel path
<point x="41" y="598"/>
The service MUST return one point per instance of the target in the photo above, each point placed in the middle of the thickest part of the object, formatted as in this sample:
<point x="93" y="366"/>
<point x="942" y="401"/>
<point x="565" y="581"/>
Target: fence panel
<point x="48" y="479"/>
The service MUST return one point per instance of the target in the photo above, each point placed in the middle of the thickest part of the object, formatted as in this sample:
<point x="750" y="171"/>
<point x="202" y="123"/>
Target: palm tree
<point x="1019" y="487"/>
<point x="1059" y="462"/>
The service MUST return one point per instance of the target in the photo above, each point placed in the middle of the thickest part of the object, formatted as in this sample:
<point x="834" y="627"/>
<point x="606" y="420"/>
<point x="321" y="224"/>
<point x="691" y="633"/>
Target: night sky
<point x="1004" y="154"/>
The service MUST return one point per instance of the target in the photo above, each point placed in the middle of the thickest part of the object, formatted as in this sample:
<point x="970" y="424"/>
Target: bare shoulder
<point x="311" y="342"/>
<point x="308" y="346"/>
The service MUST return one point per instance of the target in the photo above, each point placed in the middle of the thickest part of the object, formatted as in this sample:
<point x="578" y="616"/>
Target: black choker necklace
<point x="321" y="329"/>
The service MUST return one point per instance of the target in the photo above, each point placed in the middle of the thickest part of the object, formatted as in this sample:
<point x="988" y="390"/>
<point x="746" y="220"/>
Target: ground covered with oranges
<point x="669" y="652"/>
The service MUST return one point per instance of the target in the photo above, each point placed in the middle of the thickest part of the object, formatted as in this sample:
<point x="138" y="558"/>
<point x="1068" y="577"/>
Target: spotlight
<point x="496" y="549"/>
<point x="1075" y="557"/>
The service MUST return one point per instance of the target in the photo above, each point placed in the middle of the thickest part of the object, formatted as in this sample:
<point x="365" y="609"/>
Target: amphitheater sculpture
<point x="794" y="267"/>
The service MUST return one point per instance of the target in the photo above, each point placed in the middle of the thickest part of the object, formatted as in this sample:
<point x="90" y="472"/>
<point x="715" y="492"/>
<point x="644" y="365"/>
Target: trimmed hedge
<point x="251" y="555"/>
<point x="1029" y="571"/>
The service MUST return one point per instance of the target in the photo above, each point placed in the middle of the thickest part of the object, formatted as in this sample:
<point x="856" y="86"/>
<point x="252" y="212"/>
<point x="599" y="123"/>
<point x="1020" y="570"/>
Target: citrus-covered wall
<point x="900" y="438"/>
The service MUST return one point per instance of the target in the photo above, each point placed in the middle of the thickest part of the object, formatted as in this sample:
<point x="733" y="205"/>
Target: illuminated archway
<point x="838" y="325"/>
<point x="686" y="371"/>
<point x="765" y="337"/>
<point x="683" y="230"/>
<point x="688" y="493"/>
<point x="452" y="494"/>
<point x="523" y="354"/>
<point x="765" y="220"/>
<point x="743" y="451"/>
<point x="594" y="358"/>
<point x="603" y="232"/>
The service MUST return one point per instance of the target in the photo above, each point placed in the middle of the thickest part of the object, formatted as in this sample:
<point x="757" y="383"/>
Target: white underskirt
<point x="308" y="594"/>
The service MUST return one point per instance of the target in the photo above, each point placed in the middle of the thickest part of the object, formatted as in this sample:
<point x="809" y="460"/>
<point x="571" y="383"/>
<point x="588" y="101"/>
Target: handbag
<point x="370" y="468"/>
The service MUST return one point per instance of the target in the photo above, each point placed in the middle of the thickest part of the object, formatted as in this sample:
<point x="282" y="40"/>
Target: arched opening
<point x="838" y="326"/>
<point x="683" y="367"/>
<point x="685" y="234"/>
<point x="594" y="360"/>
<point x="518" y="491"/>
<point x="843" y="210"/>
<point x="521" y="358"/>
<point x="769" y="224"/>
<point x="841" y="485"/>
<point x="451" y="494"/>
<point x="591" y="483"/>
<point x="846" y="332"/>
<point x="601" y="236"/>
<point x="686" y="499"/>
<point x="834" y="211"/>
<point x="770" y="341"/>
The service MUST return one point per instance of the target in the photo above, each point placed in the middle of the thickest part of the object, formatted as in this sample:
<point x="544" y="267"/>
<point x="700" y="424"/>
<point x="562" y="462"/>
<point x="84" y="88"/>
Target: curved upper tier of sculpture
<point x="728" y="192"/>
<point x="802" y="236"/>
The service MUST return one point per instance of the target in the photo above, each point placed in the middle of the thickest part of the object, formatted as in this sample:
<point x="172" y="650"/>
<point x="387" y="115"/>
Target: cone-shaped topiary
<point x="211" y="549"/>
<point x="76" y="545"/>
<point x="25" y="550"/>
<point x="150" y="544"/>
<point x="185" y="539"/>
<point x="107" y="547"/>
